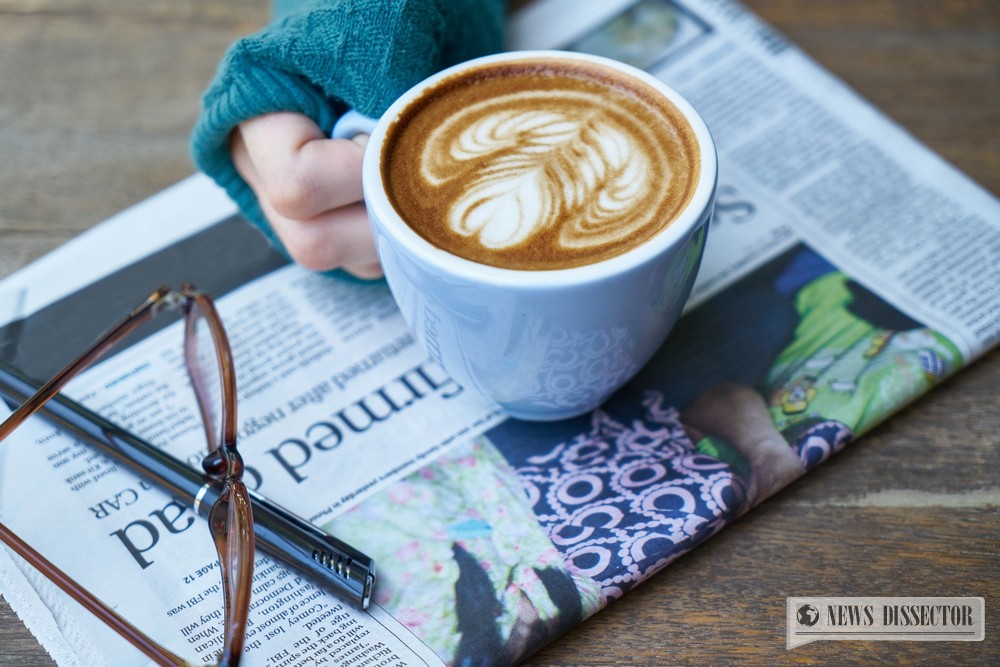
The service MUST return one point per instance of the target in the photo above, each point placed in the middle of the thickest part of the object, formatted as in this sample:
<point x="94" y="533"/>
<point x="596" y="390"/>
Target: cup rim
<point x="687" y="223"/>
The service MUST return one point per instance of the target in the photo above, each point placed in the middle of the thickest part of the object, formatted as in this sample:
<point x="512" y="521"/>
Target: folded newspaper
<point x="826" y="301"/>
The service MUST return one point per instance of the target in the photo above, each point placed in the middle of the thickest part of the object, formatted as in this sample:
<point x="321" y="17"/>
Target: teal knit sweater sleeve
<point x="322" y="57"/>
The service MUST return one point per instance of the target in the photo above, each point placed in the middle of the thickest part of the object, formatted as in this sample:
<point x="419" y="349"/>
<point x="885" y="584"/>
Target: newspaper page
<point x="826" y="301"/>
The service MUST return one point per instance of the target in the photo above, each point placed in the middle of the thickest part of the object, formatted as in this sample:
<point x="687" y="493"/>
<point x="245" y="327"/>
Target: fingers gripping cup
<point x="540" y="217"/>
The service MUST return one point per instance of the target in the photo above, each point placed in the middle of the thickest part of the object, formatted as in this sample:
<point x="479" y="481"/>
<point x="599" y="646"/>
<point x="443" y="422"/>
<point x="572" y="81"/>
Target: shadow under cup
<point x="542" y="344"/>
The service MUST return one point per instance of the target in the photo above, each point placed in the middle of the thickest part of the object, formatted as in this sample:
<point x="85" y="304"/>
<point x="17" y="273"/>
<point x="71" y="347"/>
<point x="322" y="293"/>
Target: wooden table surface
<point x="96" y="101"/>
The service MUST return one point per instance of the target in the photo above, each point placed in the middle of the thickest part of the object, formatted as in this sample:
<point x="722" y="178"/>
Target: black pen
<point x="290" y="539"/>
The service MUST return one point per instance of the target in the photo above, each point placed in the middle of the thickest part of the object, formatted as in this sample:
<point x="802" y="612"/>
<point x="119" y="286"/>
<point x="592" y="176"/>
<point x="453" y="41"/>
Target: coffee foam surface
<point x="535" y="168"/>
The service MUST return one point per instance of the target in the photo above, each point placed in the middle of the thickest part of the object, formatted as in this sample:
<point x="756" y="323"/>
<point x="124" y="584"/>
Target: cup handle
<point x="351" y="124"/>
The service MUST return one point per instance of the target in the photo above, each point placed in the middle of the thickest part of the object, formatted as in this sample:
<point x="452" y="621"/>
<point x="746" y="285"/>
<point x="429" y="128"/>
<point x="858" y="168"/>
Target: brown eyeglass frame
<point x="230" y="519"/>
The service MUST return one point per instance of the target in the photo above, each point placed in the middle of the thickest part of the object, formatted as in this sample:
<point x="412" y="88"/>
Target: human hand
<point x="739" y="415"/>
<point x="309" y="188"/>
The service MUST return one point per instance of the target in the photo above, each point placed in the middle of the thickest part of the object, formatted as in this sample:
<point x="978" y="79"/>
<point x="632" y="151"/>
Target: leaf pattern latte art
<point x="539" y="162"/>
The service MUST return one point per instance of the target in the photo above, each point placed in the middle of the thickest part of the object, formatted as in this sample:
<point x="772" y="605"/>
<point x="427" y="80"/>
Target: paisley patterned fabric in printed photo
<point x="624" y="500"/>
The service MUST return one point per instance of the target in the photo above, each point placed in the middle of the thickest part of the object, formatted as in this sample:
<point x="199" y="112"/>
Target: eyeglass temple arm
<point x="130" y="322"/>
<point x="91" y="603"/>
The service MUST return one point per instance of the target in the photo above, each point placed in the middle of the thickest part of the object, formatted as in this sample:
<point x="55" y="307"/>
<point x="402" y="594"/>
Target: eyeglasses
<point x="230" y="521"/>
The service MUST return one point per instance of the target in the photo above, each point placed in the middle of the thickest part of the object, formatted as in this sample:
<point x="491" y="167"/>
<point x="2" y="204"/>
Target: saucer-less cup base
<point x="544" y="345"/>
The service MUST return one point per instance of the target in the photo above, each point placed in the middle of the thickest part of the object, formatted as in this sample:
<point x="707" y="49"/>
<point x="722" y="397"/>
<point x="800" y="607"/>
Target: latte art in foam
<point x="529" y="169"/>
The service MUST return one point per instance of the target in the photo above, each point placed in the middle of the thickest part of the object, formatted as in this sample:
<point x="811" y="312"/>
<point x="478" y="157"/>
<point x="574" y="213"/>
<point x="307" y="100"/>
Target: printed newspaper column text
<point x="311" y="627"/>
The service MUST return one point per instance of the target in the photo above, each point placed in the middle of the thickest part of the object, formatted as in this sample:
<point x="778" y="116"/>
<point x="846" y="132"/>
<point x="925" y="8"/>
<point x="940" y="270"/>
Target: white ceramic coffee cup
<point x="543" y="345"/>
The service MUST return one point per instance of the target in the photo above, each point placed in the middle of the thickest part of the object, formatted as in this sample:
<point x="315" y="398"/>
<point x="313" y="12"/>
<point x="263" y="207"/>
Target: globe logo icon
<point x="807" y="615"/>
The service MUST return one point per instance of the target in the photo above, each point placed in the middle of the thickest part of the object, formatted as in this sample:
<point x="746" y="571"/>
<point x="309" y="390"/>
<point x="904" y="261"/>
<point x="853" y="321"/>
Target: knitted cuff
<point x="255" y="92"/>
